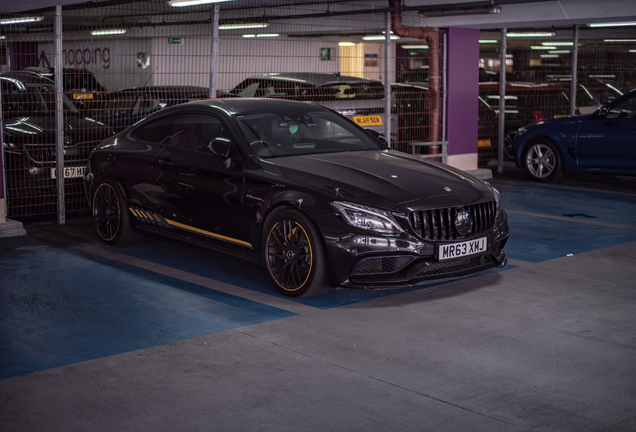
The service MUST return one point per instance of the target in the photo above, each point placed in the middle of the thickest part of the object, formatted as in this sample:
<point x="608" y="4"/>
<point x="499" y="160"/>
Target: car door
<point x="136" y="165"/>
<point x="199" y="191"/>
<point x="608" y="140"/>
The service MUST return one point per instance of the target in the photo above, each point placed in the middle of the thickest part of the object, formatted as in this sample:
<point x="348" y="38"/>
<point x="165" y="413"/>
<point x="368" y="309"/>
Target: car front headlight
<point x="367" y="218"/>
<point x="497" y="196"/>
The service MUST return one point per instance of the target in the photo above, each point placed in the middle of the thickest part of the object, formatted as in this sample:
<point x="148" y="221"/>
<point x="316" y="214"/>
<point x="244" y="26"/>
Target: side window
<point x="156" y="131"/>
<point x="625" y="109"/>
<point x="145" y="106"/>
<point x="196" y="131"/>
<point x="250" y="90"/>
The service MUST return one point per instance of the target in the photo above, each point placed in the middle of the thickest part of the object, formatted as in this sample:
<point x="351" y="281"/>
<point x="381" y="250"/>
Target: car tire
<point x="111" y="216"/>
<point x="294" y="254"/>
<point x="509" y="144"/>
<point x="542" y="160"/>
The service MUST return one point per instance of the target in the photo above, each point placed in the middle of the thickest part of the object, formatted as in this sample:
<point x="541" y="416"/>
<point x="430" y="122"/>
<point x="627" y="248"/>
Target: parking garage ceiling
<point x="513" y="13"/>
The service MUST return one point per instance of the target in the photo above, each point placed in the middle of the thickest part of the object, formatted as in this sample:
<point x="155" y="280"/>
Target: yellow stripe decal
<point x="133" y="211"/>
<point x="207" y="233"/>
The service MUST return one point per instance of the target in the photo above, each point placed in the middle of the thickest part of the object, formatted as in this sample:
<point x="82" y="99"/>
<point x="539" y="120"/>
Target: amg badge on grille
<point x="463" y="222"/>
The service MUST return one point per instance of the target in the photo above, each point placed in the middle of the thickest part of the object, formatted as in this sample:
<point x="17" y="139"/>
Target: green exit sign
<point x="325" y="54"/>
<point x="175" y="41"/>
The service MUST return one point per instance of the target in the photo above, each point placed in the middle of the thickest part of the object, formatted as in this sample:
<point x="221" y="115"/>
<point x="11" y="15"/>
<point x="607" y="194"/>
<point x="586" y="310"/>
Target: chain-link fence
<point x="121" y="63"/>
<point x="539" y="76"/>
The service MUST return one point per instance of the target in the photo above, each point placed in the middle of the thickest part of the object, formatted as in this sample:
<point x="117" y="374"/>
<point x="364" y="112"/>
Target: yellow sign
<point x="483" y="143"/>
<point x="78" y="96"/>
<point x="561" y="115"/>
<point x="372" y="120"/>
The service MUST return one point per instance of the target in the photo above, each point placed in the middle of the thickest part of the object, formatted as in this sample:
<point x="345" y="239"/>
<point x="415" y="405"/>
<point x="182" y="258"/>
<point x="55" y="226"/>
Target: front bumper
<point x="383" y="262"/>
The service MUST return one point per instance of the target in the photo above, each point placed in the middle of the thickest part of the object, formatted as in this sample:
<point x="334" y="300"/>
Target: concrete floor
<point x="162" y="336"/>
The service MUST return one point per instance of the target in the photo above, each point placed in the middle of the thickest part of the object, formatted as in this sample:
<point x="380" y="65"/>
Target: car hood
<point x="41" y="130"/>
<point x="381" y="178"/>
<point x="561" y="122"/>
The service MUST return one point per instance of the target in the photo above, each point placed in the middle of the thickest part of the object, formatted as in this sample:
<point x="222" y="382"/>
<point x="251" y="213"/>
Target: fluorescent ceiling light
<point x="261" y="35"/>
<point x="108" y="32"/>
<point x="346" y="44"/>
<point x="415" y="47"/>
<point x="459" y="11"/>
<point x="530" y="34"/>
<point x="488" y="41"/>
<point x="559" y="52"/>
<point x="379" y="37"/>
<point x="182" y="3"/>
<point x="20" y="20"/>
<point x="242" y="26"/>
<point x="543" y="47"/>
<point x="634" y="51"/>
<point x="558" y="43"/>
<point x="615" y="24"/>
<point x="3" y="37"/>
<point x="602" y="76"/>
<point x="549" y="56"/>
<point x="619" y="40"/>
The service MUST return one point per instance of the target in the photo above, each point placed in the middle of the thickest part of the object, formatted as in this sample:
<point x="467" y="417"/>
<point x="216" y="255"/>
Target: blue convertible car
<point x="604" y="142"/>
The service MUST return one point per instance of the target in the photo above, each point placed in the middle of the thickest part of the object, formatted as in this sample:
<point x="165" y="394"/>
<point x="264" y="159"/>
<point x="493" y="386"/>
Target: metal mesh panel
<point x="125" y="61"/>
<point x="539" y="76"/>
<point x="383" y="265"/>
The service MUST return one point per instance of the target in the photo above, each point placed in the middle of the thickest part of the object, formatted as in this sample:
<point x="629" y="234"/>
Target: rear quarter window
<point x="156" y="131"/>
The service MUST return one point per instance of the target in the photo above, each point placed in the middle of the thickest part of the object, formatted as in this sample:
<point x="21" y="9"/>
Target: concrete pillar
<point x="462" y="97"/>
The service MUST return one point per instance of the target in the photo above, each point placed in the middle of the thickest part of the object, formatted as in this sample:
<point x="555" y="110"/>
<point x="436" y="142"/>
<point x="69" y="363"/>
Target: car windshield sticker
<point x="293" y="129"/>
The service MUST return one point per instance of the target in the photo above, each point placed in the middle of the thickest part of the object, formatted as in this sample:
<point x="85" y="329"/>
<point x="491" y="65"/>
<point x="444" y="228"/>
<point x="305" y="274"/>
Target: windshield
<point x="34" y="100"/>
<point x="280" y="134"/>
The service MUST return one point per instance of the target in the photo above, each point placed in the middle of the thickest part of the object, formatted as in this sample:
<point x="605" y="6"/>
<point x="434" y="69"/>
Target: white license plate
<point x="461" y="249"/>
<point x="70" y="172"/>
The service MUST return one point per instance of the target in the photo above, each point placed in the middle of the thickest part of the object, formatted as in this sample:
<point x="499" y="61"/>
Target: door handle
<point x="165" y="162"/>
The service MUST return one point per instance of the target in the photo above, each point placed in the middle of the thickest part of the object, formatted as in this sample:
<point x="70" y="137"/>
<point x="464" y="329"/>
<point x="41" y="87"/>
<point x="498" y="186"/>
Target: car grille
<point x="383" y="265"/>
<point x="438" y="224"/>
<point x="47" y="153"/>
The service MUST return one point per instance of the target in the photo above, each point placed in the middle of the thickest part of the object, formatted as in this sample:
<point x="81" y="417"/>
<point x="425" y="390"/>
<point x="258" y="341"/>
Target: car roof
<point x="316" y="79"/>
<point x="246" y="106"/>
<point x="27" y="77"/>
<point x="166" y="88"/>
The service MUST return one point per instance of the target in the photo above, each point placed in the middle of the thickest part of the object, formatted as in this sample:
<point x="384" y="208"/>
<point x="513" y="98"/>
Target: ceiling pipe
<point x="431" y="36"/>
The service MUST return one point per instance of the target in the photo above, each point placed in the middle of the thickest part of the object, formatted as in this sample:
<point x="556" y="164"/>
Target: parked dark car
<point x="599" y="142"/>
<point x="359" y="99"/>
<point x="526" y="103"/>
<point x="297" y="187"/>
<point x="123" y="108"/>
<point x="80" y="85"/>
<point x="29" y="140"/>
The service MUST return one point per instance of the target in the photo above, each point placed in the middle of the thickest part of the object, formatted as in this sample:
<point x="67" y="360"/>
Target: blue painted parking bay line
<point x="551" y="222"/>
<point x="66" y="302"/>
<point x="59" y="307"/>
<point x="241" y="274"/>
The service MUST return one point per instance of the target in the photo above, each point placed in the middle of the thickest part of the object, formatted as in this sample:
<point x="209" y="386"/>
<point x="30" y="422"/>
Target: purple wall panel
<point x="463" y="90"/>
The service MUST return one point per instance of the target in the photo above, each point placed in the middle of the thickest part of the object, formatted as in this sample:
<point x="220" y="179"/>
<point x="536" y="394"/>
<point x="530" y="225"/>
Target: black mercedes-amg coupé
<point x="299" y="188"/>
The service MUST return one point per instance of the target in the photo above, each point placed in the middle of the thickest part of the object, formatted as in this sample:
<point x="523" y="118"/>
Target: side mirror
<point x="378" y="136"/>
<point x="221" y="147"/>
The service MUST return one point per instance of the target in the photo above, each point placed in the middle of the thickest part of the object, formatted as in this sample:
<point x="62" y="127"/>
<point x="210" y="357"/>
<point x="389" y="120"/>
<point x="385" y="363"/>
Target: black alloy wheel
<point x="111" y="216"/>
<point x="542" y="160"/>
<point x="294" y="254"/>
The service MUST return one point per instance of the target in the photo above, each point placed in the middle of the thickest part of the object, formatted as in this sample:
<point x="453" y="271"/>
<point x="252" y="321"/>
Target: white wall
<point x="112" y="61"/>
<point x="189" y="63"/>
